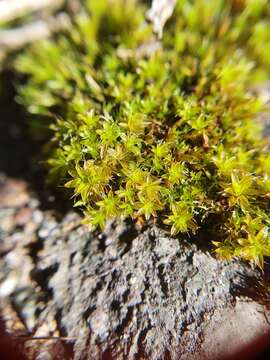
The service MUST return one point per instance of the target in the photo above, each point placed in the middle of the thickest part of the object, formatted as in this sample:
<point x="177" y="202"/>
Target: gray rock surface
<point x="121" y="294"/>
<point x="128" y="294"/>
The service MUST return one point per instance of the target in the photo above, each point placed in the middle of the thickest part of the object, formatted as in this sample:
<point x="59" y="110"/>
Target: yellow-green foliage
<point x="170" y="135"/>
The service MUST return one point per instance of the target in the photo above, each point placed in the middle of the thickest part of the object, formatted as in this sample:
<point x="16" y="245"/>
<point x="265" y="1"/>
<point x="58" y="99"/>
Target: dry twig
<point x="16" y="38"/>
<point x="12" y="9"/>
<point x="160" y="12"/>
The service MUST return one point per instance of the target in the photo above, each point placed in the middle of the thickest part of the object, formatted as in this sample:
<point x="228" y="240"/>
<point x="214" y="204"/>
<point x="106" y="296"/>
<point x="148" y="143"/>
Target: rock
<point x="238" y="327"/>
<point x="133" y="294"/>
<point x="125" y="293"/>
<point x="13" y="193"/>
<point x="23" y="216"/>
<point x="7" y="223"/>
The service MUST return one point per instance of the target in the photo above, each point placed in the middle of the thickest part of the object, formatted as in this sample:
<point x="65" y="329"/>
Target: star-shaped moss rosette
<point x="170" y="135"/>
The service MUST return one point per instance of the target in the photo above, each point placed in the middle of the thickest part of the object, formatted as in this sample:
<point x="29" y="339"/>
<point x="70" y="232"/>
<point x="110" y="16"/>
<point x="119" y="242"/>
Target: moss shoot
<point x="164" y="130"/>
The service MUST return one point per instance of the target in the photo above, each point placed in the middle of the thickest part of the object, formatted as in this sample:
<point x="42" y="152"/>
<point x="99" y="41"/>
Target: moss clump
<point x="168" y="135"/>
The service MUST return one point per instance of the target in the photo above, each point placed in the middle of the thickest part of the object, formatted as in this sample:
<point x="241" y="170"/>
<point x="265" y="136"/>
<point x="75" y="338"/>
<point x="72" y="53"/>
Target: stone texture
<point x="238" y="327"/>
<point x="121" y="294"/>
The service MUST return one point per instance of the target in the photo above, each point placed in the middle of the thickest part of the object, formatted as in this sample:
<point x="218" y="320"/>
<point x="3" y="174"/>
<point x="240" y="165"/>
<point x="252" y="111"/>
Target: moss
<point x="170" y="135"/>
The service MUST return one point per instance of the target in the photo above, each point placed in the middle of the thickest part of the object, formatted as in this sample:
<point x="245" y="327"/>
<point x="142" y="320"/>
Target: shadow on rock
<point x="20" y="154"/>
